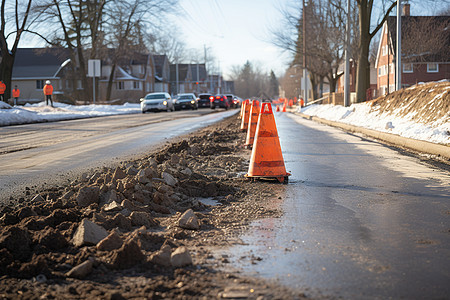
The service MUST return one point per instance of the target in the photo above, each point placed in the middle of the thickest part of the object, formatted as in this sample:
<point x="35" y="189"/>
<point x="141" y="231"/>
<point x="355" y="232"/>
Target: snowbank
<point x="41" y="113"/>
<point x="360" y="115"/>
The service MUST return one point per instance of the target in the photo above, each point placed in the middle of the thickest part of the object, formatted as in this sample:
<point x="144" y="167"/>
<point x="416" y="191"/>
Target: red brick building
<point x="423" y="59"/>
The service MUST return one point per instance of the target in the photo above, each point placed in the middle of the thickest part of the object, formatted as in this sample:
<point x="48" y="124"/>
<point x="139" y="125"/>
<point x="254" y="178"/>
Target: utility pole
<point x="347" y="59"/>
<point x="198" y="78"/>
<point x="176" y="74"/>
<point x="305" y="72"/>
<point x="398" y="65"/>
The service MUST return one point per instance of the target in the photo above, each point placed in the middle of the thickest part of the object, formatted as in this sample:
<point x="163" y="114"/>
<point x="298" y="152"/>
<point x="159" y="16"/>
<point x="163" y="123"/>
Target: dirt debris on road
<point x="117" y="233"/>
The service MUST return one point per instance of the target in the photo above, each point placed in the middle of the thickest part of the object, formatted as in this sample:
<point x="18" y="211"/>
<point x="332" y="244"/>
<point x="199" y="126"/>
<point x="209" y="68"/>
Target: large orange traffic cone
<point x="252" y="122"/>
<point x="245" y="116"/>
<point x="267" y="160"/>
<point x="284" y="106"/>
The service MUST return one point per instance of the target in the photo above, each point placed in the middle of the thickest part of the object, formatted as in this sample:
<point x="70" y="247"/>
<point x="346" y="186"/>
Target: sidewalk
<point x="440" y="151"/>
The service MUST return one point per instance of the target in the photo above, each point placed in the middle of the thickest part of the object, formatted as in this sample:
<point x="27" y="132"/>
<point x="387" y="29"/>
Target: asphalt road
<point x="37" y="154"/>
<point x="361" y="220"/>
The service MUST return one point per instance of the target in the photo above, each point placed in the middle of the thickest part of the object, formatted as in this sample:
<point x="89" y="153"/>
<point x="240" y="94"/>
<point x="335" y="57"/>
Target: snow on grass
<point x="360" y="115"/>
<point x="42" y="113"/>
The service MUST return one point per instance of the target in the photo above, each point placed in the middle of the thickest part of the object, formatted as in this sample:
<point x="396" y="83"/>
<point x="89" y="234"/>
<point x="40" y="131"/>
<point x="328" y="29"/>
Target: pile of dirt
<point x="425" y="103"/>
<point x="139" y="230"/>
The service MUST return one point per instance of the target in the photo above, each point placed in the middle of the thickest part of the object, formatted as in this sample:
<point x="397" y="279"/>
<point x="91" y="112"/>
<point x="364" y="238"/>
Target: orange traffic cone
<point x="284" y="106"/>
<point x="278" y="107"/>
<point x="291" y="102"/>
<point x="253" y="121"/>
<point x="245" y="116"/>
<point x="267" y="160"/>
<point x="242" y="108"/>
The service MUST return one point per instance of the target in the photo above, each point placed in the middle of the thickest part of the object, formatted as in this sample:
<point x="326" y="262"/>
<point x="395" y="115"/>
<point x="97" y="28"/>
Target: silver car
<point x="157" y="102"/>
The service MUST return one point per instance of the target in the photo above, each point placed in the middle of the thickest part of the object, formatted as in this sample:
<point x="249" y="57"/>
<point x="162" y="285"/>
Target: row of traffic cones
<point x="266" y="160"/>
<point x="283" y="107"/>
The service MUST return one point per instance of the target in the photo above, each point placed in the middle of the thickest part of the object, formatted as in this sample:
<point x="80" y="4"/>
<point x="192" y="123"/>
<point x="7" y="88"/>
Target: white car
<point x="157" y="102"/>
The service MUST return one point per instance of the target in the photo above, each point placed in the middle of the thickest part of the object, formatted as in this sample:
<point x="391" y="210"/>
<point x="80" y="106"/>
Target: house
<point x="340" y="84"/>
<point x="132" y="78"/>
<point x="162" y="73"/>
<point x="425" y="51"/>
<point x="33" y="66"/>
<point x="180" y="79"/>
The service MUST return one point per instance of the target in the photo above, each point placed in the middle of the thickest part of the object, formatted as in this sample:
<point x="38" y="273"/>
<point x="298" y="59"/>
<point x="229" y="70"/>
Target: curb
<point x="439" y="150"/>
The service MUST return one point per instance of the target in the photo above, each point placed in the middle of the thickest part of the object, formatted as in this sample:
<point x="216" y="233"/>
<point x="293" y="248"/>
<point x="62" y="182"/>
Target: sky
<point x="234" y="30"/>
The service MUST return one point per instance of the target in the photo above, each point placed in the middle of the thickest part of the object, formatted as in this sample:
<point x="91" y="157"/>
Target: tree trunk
<point x="363" y="67"/>
<point x="110" y="82"/>
<point x="6" y="72"/>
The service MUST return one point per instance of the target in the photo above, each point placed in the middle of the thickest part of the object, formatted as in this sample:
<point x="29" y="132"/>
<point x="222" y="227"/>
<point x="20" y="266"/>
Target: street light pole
<point x="398" y="65"/>
<point x="305" y="72"/>
<point x="347" y="59"/>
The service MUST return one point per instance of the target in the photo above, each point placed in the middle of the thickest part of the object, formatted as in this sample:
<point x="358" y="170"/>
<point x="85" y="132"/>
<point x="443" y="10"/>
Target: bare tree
<point x="77" y="28"/>
<point x="19" y="15"/>
<point x="250" y="81"/>
<point x="425" y="38"/>
<point x="167" y="41"/>
<point x="325" y="29"/>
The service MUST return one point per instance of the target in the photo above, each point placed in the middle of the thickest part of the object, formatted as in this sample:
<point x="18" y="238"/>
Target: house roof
<point x="438" y="25"/>
<point x="39" y="62"/>
<point x="159" y="61"/>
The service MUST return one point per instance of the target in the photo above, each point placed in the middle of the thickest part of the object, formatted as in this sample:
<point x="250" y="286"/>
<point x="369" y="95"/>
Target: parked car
<point x="186" y="101"/>
<point x="220" y="101"/>
<point x="157" y="102"/>
<point x="204" y="100"/>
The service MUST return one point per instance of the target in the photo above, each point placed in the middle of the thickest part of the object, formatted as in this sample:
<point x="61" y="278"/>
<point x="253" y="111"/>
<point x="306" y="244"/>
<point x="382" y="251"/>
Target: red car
<point x="220" y="101"/>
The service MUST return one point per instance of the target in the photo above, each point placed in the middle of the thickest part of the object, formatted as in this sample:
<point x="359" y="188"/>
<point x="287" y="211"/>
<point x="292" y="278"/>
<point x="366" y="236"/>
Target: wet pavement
<point x="361" y="220"/>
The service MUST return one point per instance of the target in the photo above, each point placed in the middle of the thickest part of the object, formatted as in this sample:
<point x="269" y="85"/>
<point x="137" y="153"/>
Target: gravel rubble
<point x="141" y="230"/>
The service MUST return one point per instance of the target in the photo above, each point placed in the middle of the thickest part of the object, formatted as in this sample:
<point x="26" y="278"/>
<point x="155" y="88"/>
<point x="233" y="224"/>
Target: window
<point x="432" y="68"/>
<point x="383" y="50"/>
<point x="120" y="85"/>
<point x="136" y="85"/>
<point x="407" y="68"/>
<point x="39" y="84"/>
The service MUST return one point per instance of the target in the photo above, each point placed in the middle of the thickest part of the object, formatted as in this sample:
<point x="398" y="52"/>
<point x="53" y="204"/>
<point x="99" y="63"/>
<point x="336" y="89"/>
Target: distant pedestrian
<point x="48" y="92"/>
<point x="16" y="94"/>
<point x="2" y="91"/>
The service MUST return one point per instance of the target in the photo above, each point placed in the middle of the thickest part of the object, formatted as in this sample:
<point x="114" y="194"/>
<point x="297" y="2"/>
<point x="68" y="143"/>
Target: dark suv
<point x="204" y="100"/>
<point x="220" y="101"/>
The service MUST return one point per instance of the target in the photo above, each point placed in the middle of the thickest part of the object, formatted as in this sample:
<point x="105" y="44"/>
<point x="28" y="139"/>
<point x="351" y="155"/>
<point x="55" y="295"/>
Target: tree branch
<point x="374" y="32"/>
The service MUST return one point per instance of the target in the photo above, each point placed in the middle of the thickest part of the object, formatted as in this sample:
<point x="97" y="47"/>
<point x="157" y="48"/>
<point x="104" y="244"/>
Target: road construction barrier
<point x="253" y="121"/>
<point x="267" y="161"/>
<point x="245" y="116"/>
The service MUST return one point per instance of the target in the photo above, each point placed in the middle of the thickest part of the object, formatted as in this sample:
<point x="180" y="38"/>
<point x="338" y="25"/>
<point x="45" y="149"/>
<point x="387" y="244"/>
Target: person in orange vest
<point x="2" y="90"/>
<point x="48" y="92"/>
<point x="16" y="94"/>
